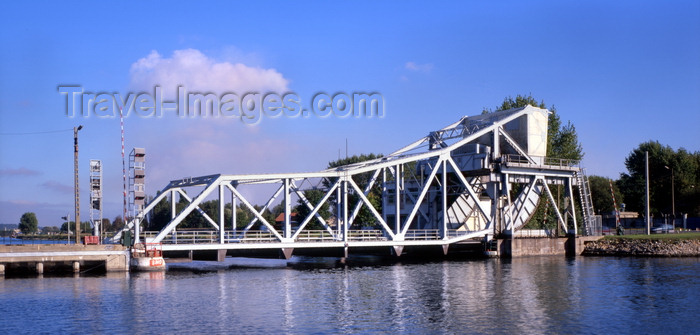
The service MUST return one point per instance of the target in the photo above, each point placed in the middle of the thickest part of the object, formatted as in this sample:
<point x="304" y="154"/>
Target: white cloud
<point x="178" y="148"/>
<point x="58" y="187"/>
<point x="196" y="72"/>
<point x="206" y="147"/>
<point x="424" y="68"/>
<point x="48" y="214"/>
<point x="19" y="172"/>
<point x="186" y="147"/>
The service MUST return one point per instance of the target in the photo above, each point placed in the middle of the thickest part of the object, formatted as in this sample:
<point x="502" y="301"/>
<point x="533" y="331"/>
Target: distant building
<point x="627" y="219"/>
<point x="294" y="220"/>
<point x="279" y="220"/>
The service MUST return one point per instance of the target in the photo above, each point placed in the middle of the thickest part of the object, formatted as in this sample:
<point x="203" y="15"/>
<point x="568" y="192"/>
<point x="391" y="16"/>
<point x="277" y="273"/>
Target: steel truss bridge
<point x="480" y="177"/>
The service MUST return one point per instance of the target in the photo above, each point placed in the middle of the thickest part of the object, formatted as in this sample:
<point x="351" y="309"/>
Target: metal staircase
<point x="586" y="202"/>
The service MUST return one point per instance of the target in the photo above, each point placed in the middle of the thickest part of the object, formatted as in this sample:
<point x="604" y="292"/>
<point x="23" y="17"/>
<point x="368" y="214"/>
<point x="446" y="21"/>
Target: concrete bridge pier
<point x="516" y="247"/>
<point x="39" y="268"/>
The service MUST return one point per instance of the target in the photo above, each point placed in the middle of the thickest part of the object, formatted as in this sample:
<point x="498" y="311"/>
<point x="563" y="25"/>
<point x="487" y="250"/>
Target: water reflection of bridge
<point x="480" y="177"/>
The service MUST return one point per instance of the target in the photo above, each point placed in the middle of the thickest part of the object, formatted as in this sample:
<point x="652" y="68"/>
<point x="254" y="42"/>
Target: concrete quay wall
<point x="519" y="247"/>
<point x="43" y="257"/>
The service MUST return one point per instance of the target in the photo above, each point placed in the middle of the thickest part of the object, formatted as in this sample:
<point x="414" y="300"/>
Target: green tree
<point x="210" y="207"/>
<point x="192" y="219"/>
<point x="28" y="223"/>
<point x="243" y="216"/>
<point x="665" y="164"/>
<point x="117" y="223"/>
<point x="84" y="227"/>
<point x="314" y="196"/>
<point x="562" y="142"/>
<point x="602" y="197"/>
<point x="160" y="215"/>
<point x="270" y="214"/>
<point x="106" y="225"/>
<point x="197" y="220"/>
<point x="276" y="210"/>
<point x="50" y="230"/>
<point x="365" y="217"/>
<point x="363" y="178"/>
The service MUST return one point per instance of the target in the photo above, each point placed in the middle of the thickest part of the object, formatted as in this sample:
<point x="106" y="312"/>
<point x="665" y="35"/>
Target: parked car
<point x="664" y="228"/>
<point x="608" y="231"/>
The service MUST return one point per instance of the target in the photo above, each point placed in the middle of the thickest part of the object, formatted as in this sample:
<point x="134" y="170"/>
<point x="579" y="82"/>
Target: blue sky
<point x="622" y="72"/>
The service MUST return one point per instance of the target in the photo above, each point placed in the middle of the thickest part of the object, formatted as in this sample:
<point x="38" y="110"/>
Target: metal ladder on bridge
<point x="586" y="202"/>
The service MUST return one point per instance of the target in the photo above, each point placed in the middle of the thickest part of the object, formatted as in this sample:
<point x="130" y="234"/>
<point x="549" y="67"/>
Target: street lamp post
<point x="673" y="199"/>
<point x="77" y="190"/>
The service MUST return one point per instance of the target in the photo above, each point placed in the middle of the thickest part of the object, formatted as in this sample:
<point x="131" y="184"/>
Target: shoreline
<point x="643" y="247"/>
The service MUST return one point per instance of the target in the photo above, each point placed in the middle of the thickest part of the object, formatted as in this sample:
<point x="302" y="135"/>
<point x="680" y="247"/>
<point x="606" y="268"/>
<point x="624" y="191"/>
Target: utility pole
<point x="77" y="190"/>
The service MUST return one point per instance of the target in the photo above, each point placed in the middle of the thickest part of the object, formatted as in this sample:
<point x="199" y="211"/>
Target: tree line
<point x="674" y="183"/>
<point x="29" y="224"/>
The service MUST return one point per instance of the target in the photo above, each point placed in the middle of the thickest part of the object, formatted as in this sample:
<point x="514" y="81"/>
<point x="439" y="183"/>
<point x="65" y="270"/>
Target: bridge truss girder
<point x="485" y="190"/>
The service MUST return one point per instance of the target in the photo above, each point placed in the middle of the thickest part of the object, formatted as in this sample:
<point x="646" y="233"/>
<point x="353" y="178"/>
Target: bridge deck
<point x="211" y="240"/>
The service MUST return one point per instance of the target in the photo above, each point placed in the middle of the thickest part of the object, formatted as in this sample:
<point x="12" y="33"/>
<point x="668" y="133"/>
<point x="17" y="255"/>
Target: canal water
<point x="537" y="295"/>
<point x="10" y="240"/>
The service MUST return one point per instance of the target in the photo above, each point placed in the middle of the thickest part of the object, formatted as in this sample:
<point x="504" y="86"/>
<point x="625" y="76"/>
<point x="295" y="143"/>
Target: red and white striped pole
<point x="617" y="214"/>
<point x="121" y="121"/>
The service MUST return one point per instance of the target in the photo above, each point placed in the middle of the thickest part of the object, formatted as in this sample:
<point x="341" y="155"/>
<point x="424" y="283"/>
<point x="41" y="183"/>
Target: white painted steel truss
<point x="454" y="184"/>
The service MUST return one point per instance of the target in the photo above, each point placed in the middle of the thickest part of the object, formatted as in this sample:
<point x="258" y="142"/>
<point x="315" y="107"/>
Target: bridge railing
<point x="366" y="235"/>
<point x="261" y="236"/>
<point x="210" y="236"/>
<point x="559" y="163"/>
<point x="315" y="236"/>
<point x="258" y="236"/>
<point x="423" y="234"/>
<point x="457" y="233"/>
<point x="250" y="236"/>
